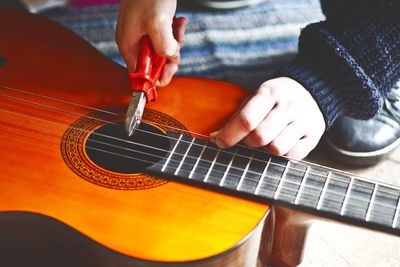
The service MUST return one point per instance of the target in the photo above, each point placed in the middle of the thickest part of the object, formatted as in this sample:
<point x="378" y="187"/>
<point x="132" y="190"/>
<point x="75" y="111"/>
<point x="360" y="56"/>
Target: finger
<point x="272" y="125"/>
<point x="127" y="39"/>
<point x="244" y="121"/>
<point x="127" y="35"/>
<point x="131" y="57"/>
<point x="168" y="71"/>
<point x="179" y="30"/>
<point x="172" y="64"/>
<point x="302" y="148"/>
<point x="286" y="139"/>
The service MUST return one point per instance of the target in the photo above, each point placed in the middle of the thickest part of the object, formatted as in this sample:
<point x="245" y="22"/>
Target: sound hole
<point x="110" y="148"/>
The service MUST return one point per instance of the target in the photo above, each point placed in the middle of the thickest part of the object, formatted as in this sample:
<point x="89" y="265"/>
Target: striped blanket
<point x="242" y="46"/>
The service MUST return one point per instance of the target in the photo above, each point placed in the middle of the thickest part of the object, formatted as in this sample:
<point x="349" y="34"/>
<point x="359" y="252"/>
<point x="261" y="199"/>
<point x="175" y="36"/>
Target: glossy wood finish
<point x="30" y="239"/>
<point x="169" y="223"/>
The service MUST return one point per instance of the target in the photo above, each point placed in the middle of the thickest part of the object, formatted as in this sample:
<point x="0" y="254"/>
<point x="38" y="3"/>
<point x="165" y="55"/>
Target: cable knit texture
<point x="350" y="61"/>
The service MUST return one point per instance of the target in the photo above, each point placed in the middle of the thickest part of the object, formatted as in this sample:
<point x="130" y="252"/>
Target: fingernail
<point x="217" y="141"/>
<point x="212" y="137"/>
<point x="214" y="134"/>
<point x="220" y="144"/>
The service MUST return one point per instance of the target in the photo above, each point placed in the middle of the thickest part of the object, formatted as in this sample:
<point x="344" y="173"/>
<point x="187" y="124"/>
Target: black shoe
<point x="365" y="142"/>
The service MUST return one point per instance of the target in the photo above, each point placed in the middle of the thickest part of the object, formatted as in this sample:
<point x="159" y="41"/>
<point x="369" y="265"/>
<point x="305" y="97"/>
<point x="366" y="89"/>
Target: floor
<point x="336" y="244"/>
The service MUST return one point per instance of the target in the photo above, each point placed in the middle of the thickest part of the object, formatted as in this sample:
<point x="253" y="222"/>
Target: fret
<point x="280" y="183"/>
<point x="384" y="209"/>
<point x="396" y="214"/>
<point x="359" y="196"/>
<point x="237" y="168"/>
<point x="192" y="153"/>
<point x="184" y="157"/>
<point x="322" y="196"/>
<point x="212" y="165"/>
<point x="217" y="171"/>
<point x="272" y="177"/>
<point x="171" y="153"/>
<point x="244" y="173"/>
<point x="335" y="192"/>
<point x="255" y="167"/>
<point x="203" y="164"/>
<point x="197" y="162"/>
<point x="261" y="180"/>
<point x="291" y="180"/>
<point x="314" y="182"/>
<point x="221" y="183"/>
<point x="303" y="182"/>
<point x="253" y="171"/>
<point x="346" y="197"/>
<point x="371" y="204"/>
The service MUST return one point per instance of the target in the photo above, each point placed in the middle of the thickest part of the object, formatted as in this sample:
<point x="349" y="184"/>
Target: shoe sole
<point x="361" y="158"/>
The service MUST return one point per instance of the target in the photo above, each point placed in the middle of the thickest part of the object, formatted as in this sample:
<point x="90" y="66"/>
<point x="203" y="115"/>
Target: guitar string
<point x="237" y="176"/>
<point x="175" y="139"/>
<point x="114" y="123"/>
<point x="174" y="128"/>
<point x="217" y="173"/>
<point x="58" y="100"/>
<point x="123" y="116"/>
<point x="158" y="124"/>
<point x="123" y="140"/>
<point x="250" y="158"/>
<point x="111" y="122"/>
<point x="302" y="196"/>
<point x="143" y="145"/>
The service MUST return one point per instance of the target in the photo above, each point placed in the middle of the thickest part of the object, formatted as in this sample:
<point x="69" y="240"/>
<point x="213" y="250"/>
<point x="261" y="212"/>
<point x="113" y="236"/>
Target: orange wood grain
<point x="173" y="222"/>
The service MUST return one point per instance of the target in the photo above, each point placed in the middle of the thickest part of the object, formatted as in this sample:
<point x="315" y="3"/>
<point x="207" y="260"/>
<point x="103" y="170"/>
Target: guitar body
<point x="57" y="203"/>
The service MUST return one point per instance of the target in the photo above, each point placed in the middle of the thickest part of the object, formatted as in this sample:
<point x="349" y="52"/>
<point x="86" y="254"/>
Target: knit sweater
<point x="350" y="61"/>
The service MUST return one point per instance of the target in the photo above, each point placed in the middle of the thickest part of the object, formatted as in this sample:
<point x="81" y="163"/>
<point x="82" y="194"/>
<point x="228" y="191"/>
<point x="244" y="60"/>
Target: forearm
<point x="350" y="62"/>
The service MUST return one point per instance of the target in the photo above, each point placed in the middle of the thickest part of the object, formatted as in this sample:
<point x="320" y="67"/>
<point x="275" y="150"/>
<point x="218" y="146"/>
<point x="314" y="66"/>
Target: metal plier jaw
<point x="143" y="83"/>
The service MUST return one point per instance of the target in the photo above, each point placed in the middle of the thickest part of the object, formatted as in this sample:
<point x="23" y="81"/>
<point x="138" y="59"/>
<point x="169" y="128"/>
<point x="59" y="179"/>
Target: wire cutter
<point x="143" y="83"/>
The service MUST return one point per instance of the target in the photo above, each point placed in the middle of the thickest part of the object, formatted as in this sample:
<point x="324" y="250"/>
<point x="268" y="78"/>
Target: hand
<point x="153" y="17"/>
<point x="280" y="116"/>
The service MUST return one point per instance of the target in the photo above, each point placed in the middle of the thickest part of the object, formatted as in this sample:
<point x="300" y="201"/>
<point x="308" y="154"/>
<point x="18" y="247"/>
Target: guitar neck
<point x="259" y="176"/>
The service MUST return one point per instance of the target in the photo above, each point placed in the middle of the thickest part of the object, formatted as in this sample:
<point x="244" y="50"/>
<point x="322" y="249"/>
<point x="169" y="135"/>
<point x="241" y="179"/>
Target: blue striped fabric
<point x="242" y="46"/>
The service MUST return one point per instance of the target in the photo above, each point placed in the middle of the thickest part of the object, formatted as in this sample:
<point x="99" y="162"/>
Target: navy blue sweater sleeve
<point x="350" y="61"/>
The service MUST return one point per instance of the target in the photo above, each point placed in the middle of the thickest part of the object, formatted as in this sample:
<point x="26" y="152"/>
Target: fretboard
<point x="259" y="176"/>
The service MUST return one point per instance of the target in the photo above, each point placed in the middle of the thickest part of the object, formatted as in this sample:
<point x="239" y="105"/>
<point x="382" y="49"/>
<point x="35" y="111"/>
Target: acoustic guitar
<point x="75" y="190"/>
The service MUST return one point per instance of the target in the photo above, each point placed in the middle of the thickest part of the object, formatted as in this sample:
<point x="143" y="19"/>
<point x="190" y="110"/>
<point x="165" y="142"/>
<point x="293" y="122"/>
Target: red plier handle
<point x="148" y="70"/>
